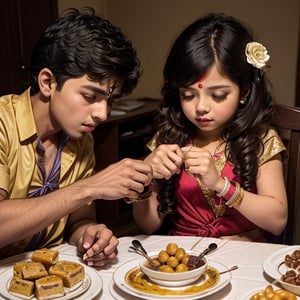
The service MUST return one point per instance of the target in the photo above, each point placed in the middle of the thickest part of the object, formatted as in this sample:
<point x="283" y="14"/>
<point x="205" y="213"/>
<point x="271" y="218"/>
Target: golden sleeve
<point x="272" y="146"/>
<point x="152" y="144"/>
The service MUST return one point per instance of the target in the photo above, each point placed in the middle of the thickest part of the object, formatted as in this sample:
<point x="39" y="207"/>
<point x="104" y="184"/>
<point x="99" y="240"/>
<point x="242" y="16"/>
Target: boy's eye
<point x="89" y="97"/>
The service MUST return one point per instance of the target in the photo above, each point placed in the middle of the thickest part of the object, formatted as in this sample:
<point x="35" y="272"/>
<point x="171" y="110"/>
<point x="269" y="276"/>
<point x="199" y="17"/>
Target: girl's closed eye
<point x="187" y="95"/>
<point x="219" y="96"/>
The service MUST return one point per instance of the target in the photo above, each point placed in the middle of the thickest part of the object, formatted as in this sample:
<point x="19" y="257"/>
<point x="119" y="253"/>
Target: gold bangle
<point x="238" y="198"/>
<point x="234" y="195"/>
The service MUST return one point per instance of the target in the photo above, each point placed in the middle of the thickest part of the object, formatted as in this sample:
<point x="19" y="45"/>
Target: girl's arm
<point x="145" y="213"/>
<point x="268" y="208"/>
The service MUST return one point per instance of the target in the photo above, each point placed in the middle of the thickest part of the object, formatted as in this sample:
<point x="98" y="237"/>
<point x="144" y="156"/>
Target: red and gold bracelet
<point x="238" y="199"/>
<point x="144" y="196"/>
<point x="234" y="195"/>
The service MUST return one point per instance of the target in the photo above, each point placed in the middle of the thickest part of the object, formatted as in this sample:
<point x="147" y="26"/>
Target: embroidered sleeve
<point x="152" y="144"/>
<point x="272" y="146"/>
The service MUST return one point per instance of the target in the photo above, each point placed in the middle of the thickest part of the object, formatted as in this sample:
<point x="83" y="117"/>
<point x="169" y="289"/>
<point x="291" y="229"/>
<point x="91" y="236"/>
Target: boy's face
<point x="82" y="104"/>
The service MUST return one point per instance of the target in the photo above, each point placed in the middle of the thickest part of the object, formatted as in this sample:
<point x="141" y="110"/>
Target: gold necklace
<point x="220" y="208"/>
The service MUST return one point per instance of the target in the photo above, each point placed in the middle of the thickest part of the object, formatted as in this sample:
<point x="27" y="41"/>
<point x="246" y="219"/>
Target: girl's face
<point x="211" y="102"/>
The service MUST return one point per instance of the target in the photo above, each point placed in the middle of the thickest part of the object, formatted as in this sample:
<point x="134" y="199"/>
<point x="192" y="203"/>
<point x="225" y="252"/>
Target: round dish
<point x="86" y="290"/>
<point x="287" y="286"/>
<point x="119" y="278"/>
<point x="176" y="278"/>
<point x="248" y="294"/>
<point x="274" y="267"/>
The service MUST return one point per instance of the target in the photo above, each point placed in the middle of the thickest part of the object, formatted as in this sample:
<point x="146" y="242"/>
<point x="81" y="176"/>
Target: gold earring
<point x="243" y="101"/>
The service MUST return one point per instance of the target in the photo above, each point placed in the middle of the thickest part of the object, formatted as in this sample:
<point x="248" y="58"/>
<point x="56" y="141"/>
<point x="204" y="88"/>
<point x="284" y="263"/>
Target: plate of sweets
<point x="284" y="266"/>
<point x="45" y="274"/>
<point x="268" y="292"/>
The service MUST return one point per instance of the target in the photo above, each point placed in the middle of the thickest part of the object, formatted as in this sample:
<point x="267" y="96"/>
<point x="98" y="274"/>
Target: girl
<point x="216" y="160"/>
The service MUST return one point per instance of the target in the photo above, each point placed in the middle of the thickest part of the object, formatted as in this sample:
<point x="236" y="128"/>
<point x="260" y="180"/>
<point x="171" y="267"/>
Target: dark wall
<point x="22" y="22"/>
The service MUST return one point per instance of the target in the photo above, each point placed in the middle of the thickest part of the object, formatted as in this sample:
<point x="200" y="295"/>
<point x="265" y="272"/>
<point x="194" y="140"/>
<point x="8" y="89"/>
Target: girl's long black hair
<point x="221" y="40"/>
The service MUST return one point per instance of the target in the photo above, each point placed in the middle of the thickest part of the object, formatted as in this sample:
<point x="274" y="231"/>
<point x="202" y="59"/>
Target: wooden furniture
<point x="22" y="22"/>
<point x="297" y="102"/>
<point x="120" y="137"/>
<point x="287" y="121"/>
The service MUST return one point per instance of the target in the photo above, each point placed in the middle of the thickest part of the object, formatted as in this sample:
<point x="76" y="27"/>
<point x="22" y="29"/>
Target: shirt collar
<point x="24" y="115"/>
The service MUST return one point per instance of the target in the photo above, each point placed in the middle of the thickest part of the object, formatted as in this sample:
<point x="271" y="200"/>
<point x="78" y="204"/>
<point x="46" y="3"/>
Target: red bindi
<point x="200" y="85"/>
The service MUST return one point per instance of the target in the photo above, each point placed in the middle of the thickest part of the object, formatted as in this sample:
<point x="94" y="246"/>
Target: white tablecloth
<point x="248" y="256"/>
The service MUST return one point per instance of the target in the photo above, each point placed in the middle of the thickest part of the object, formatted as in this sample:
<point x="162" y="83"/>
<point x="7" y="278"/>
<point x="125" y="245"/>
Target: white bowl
<point x="176" y="278"/>
<point x="282" y="268"/>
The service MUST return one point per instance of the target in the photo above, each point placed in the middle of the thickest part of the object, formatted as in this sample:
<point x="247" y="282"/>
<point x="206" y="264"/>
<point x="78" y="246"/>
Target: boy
<point x="79" y="66"/>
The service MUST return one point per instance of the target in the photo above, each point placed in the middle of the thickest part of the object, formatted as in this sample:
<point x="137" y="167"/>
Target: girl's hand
<point x="200" y="163"/>
<point x="165" y="161"/>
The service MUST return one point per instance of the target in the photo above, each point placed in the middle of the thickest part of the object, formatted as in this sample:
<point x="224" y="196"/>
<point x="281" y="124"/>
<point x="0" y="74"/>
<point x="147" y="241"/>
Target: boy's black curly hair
<point x="84" y="43"/>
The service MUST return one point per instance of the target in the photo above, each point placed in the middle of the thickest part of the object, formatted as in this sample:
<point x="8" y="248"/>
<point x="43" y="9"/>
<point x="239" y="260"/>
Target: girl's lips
<point x="203" y="122"/>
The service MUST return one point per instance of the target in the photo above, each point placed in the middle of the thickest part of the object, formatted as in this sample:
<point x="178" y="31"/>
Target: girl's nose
<point x="202" y="105"/>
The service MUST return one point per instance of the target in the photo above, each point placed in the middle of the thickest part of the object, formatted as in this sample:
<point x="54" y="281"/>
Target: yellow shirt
<point x="18" y="169"/>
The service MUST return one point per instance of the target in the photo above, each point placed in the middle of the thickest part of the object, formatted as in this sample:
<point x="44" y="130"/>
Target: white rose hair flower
<point x="257" y="55"/>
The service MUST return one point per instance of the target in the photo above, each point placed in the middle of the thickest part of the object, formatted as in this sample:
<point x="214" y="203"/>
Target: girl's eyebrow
<point x="221" y="86"/>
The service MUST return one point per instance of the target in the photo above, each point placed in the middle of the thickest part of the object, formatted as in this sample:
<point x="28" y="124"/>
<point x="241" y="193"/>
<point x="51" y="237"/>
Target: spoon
<point x="137" y="244"/>
<point x="229" y="270"/>
<point x="210" y="248"/>
<point x="196" y="261"/>
<point x="139" y="249"/>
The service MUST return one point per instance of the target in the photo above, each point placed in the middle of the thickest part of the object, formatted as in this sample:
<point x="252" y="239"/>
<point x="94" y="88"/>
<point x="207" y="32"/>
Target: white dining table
<point x="248" y="256"/>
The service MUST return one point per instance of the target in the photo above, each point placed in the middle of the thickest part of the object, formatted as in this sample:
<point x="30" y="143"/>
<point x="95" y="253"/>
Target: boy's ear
<point x="46" y="80"/>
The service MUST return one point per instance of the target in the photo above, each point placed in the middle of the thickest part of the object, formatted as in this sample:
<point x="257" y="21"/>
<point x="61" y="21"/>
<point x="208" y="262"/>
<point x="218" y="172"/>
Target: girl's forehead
<point x="199" y="81"/>
<point x="201" y="77"/>
<point x="212" y="74"/>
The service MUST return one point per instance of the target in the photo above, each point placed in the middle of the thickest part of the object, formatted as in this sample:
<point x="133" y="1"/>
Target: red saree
<point x="201" y="213"/>
<point x="194" y="216"/>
